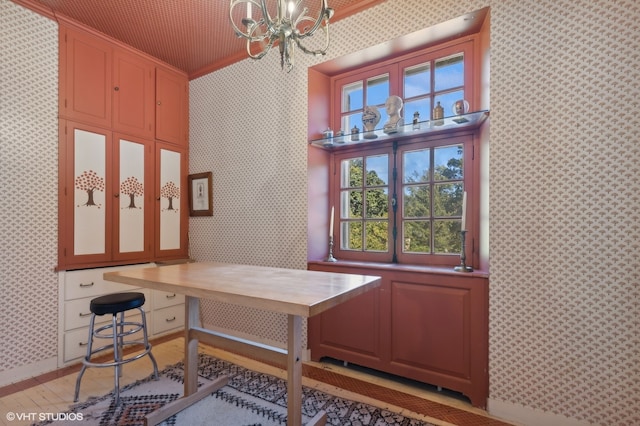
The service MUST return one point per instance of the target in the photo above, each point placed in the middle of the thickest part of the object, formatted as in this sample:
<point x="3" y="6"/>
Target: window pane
<point x="416" y="236"/>
<point x="447" y="199"/>
<point x="449" y="72"/>
<point x="446" y="236"/>
<point x="423" y="106"/>
<point x="351" y="233"/>
<point x="417" y="80"/>
<point x="351" y="173"/>
<point x="448" y="163"/>
<point x="348" y="121"/>
<point x="351" y="204"/>
<point x="448" y="99"/>
<point x="377" y="170"/>
<point x="415" y="166"/>
<point x="377" y="90"/>
<point x="377" y="236"/>
<point x="377" y="203"/>
<point x="352" y="97"/>
<point x="416" y="201"/>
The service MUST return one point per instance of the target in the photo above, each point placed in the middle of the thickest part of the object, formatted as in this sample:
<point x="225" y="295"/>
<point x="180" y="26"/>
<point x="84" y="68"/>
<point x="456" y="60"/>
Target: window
<point x="401" y="200"/>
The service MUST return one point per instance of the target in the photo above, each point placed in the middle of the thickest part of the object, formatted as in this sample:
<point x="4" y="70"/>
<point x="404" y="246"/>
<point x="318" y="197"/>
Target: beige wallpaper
<point x="29" y="187"/>
<point x="564" y="333"/>
<point x="564" y="209"/>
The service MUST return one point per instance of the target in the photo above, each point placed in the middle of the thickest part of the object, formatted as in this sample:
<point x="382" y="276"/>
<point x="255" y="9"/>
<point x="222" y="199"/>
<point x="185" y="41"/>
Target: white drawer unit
<point x="162" y="299"/>
<point x="77" y="313"/>
<point x="164" y="311"/>
<point x="168" y="319"/>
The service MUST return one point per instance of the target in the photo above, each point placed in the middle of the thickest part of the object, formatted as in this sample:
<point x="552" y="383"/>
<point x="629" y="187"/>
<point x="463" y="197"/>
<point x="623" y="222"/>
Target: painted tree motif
<point x="90" y="181"/>
<point x="170" y="191"/>
<point x="131" y="186"/>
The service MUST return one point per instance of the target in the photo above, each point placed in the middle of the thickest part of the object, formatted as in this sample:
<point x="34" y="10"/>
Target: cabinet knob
<point x="159" y="102"/>
<point x="116" y="88"/>
<point x="116" y="195"/>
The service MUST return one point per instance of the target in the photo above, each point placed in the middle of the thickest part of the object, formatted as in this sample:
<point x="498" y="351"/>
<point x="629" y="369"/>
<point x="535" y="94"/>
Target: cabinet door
<point x="171" y="107"/>
<point x="171" y="201"/>
<point x="86" y="218"/>
<point x="133" y="205"/>
<point x="86" y="73"/>
<point x="133" y="94"/>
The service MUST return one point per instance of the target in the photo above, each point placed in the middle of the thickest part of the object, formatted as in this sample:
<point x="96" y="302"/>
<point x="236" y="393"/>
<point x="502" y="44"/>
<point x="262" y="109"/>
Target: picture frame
<point x="200" y="194"/>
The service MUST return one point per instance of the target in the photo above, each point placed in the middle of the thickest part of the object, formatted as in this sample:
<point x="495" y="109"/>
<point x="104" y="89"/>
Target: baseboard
<point x="526" y="416"/>
<point x="24" y="372"/>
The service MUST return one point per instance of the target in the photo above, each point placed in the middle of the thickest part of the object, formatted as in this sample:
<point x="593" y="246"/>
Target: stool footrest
<point x="89" y="363"/>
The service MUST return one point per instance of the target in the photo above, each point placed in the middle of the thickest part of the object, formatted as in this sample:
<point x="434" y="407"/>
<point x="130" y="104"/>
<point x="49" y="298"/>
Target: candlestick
<point x="331" y="223"/>
<point x="331" y="258"/>
<point x="464" y="211"/>
<point x="463" y="257"/>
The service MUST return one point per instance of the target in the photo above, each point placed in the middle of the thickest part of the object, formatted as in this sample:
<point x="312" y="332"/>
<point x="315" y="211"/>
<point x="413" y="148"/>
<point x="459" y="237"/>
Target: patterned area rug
<point x="249" y="399"/>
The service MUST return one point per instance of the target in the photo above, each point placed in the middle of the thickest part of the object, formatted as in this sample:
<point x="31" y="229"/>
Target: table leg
<point x="192" y="320"/>
<point x="294" y="371"/>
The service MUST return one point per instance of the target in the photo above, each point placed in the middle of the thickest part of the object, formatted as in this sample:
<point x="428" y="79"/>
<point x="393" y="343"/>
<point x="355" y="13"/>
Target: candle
<point x="331" y="223"/>
<point x="464" y="211"/>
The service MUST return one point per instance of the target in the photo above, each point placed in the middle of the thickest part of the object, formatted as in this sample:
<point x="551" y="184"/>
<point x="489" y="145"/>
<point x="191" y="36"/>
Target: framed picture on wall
<point x="200" y="194"/>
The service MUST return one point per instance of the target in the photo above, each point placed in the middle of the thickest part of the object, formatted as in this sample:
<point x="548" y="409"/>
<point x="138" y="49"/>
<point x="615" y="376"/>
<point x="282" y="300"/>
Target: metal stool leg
<point x="87" y="357"/>
<point x="117" y="357"/>
<point x="147" y="345"/>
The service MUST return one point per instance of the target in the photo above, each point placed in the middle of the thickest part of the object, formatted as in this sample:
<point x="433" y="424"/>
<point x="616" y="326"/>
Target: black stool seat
<point x="116" y="303"/>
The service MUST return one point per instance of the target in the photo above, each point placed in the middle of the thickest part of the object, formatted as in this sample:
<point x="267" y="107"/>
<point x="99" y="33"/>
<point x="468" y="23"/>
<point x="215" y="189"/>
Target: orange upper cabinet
<point x="86" y="64"/>
<point x="133" y="94"/>
<point x="172" y="111"/>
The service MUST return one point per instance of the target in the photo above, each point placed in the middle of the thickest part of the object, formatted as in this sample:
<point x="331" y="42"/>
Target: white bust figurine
<point x="393" y="106"/>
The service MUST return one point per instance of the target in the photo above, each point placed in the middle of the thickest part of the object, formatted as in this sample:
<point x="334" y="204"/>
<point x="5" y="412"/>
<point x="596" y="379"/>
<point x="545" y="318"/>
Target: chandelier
<point x="289" y="26"/>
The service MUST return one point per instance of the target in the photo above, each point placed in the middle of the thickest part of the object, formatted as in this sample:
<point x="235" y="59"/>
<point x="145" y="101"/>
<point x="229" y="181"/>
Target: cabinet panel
<point x="133" y="209"/>
<point x="172" y="204"/>
<point x="88" y="74"/>
<point x="85" y="226"/>
<point x="171" y="107"/>
<point x="353" y="326"/>
<point x="133" y="94"/>
<point x="430" y="327"/>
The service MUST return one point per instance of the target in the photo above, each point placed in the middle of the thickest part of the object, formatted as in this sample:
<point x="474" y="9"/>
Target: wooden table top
<point x="288" y="291"/>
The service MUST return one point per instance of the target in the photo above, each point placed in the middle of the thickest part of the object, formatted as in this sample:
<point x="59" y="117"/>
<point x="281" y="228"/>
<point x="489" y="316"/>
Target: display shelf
<point x="457" y="122"/>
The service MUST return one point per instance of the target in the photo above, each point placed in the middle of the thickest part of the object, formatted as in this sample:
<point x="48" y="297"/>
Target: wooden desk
<point x="297" y="293"/>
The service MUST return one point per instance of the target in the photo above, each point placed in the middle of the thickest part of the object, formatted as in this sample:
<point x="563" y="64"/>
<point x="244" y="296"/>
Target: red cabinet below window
<point x="427" y="324"/>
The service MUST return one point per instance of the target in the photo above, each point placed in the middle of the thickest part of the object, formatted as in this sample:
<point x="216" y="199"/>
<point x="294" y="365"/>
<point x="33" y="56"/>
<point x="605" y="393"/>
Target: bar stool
<point x="116" y="331"/>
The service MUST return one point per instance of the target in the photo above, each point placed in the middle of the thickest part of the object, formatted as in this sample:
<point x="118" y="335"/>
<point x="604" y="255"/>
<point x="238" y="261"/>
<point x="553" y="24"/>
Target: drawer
<point x="163" y="299"/>
<point x="75" y="341"/>
<point x="89" y="282"/>
<point x="168" y="319"/>
<point x="77" y="313"/>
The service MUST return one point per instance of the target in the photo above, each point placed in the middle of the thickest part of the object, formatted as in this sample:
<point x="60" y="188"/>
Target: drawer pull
<point x="171" y="296"/>
<point x="83" y="344"/>
<point x="170" y="319"/>
<point x="81" y="315"/>
<point x="86" y="285"/>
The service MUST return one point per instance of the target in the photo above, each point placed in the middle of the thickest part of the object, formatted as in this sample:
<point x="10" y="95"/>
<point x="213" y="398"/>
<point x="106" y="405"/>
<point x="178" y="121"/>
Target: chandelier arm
<point x="317" y="52"/>
<point x="250" y="24"/>
<point x="304" y="17"/>
<point x="264" y="51"/>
